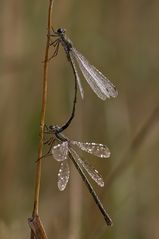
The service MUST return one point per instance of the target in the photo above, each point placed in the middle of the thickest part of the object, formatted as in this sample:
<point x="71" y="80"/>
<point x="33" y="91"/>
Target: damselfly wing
<point x="60" y="153"/>
<point x="99" y="150"/>
<point x="93" y="173"/>
<point x="63" y="175"/>
<point x="100" y="84"/>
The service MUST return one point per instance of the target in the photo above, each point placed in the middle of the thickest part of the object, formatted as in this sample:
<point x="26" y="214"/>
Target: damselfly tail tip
<point x="109" y="221"/>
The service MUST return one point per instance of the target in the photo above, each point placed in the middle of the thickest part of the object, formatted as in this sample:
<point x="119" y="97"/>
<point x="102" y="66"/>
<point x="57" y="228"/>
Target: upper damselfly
<point x="97" y="81"/>
<point x="63" y="149"/>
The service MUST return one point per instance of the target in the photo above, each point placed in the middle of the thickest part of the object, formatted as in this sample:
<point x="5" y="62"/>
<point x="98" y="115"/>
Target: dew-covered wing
<point x="99" y="150"/>
<point x="97" y="81"/>
<point x="60" y="151"/>
<point x="63" y="175"/>
<point x="93" y="173"/>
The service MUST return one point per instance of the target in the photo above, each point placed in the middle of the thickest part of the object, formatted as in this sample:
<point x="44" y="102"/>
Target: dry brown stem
<point x="37" y="228"/>
<point x="42" y="120"/>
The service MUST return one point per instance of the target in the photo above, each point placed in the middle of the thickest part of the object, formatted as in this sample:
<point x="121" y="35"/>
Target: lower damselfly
<point x="63" y="150"/>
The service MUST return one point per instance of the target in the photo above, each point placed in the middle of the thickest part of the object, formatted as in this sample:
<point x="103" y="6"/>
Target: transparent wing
<point x="97" y="81"/>
<point x="60" y="151"/>
<point x="77" y="76"/>
<point x="63" y="175"/>
<point x="99" y="150"/>
<point x="90" y="169"/>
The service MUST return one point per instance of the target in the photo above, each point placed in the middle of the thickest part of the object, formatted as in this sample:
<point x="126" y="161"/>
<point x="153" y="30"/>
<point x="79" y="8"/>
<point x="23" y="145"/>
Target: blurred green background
<point x="121" y="39"/>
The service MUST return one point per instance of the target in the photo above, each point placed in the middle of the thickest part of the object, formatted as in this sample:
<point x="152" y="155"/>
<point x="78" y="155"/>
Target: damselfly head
<point x="54" y="128"/>
<point x="61" y="31"/>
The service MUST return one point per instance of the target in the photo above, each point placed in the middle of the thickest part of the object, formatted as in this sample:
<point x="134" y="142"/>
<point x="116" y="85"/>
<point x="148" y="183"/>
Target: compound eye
<point x="61" y="30"/>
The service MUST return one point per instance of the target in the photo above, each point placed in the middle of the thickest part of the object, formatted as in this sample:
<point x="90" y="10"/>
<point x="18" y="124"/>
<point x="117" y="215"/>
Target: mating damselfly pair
<point x="65" y="148"/>
<point x="99" y="83"/>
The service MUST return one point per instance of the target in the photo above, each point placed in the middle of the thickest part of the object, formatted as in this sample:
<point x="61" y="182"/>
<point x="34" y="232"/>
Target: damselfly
<point x="64" y="150"/>
<point x="97" y="81"/>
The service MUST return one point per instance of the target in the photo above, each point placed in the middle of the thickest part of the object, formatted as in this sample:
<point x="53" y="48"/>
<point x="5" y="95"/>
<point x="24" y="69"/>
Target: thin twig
<point x="42" y="120"/>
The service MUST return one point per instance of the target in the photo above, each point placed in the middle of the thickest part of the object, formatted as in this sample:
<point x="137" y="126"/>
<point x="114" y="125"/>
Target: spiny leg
<point x="54" y="43"/>
<point x="48" y="141"/>
<point x="52" y="140"/>
<point x="56" y="51"/>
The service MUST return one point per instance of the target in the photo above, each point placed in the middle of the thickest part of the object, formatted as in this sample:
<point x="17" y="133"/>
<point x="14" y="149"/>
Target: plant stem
<point x="42" y="119"/>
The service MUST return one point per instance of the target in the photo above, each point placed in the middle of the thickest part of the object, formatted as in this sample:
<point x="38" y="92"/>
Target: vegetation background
<point x="121" y="39"/>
